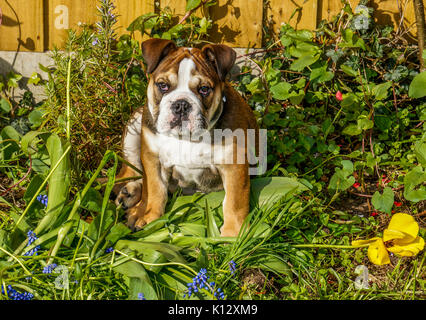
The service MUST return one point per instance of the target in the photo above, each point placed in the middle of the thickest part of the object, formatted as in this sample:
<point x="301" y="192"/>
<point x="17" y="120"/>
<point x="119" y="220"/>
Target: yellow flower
<point x="401" y="237"/>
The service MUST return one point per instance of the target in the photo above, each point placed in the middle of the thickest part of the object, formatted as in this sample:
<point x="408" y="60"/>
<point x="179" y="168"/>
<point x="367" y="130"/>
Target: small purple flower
<point x="15" y="295"/>
<point x="49" y="268"/>
<point x="43" y="199"/>
<point x="141" y="296"/>
<point x="31" y="238"/>
<point x="109" y="250"/>
<point x="232" y="266"/>
<point x="200" y="282"/>
<point x="95" y="42"/>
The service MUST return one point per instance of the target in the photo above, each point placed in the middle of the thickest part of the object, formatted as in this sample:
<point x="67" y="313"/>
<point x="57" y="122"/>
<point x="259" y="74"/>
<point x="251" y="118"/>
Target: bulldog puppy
<point x="191" y="134"/>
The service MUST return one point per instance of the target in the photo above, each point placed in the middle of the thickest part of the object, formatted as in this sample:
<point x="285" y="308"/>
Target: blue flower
<point x="232" y="266"/>
<point x="15" y="295"/>
<point x="49" y="268"/>
<point x="200" y="282"/>
<point x="141" y="296"/>
<point x="31" y="238"/>
<point x="43" y="199"/>
<point x="219" y="294"/>
<point x="109" y="250"/>
<point x="95" y="42"/>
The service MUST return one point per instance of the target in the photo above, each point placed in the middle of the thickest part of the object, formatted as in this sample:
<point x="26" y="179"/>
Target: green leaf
<point x="139" y="280"/>
<point x="192" y="4"/>
<point x="59" y="181"/>
<point x="414" y="190"/>
<point x="13" y="79"/>
<point x="36" y="118"/>
<point x="303" y="62"/>
<point x="170" y="252"/>
<point x="117" y="232"/>
<point x="321" y="74"/>
<point x="212" y="229"/>
<point x="342" y="179"/>
<point x="383" y="202"/>
<point x="280" y="91"/>
<point x="5" y="105"/>
<point x="348" y="70"/>
<point x="11" y="146"/>
<point x="420" y="151"/>
<point x="34" y="79"/>
<point x="352" y="130"/>
<point x="418" y="86"/>
<point x="255" y="86"/>
<point x="381" y="91"/>
<point x="92" y="201"/>
<point x="364" y="123"/>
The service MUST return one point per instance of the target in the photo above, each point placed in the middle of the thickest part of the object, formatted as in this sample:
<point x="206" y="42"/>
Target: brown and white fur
<point x="187" y="94"/>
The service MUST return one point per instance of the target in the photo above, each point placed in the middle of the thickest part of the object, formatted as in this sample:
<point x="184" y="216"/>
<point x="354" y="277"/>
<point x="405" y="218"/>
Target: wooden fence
<point x="36" y="25"/>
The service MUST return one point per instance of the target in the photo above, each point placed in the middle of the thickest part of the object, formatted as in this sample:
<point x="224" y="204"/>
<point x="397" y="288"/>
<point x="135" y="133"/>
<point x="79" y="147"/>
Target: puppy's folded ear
<point x="155" y="50"/>
<point x="222" y="58"/>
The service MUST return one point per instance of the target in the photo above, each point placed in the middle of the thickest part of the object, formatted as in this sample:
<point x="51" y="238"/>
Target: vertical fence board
<point x="65" y="14"/>
<point x="300" y="14"/>
<point x="128" y="11"/>
<point x="237" y="23"/>
<point x="22" y="25"/>
<point x="177" y="7"/>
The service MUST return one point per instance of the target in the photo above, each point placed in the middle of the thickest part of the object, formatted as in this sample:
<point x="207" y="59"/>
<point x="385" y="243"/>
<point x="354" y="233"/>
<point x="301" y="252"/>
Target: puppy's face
<point x="185" y="88"/>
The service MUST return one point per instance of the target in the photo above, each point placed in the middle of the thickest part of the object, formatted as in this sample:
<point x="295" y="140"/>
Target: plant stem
<point x="419" y="12"/>
<point x="68" y="100"/>
<point x="330" y="246"/>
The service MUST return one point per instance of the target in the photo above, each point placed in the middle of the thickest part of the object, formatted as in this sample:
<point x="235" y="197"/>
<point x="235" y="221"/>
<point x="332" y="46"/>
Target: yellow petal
<point x="402" y="226"/>
<point x="357" y="243"/>
<point x="377" y="253"/>
<point x="408" y="250"/>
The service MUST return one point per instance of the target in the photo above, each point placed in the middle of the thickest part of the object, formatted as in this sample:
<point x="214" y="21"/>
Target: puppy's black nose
<point x="181" y="108"/>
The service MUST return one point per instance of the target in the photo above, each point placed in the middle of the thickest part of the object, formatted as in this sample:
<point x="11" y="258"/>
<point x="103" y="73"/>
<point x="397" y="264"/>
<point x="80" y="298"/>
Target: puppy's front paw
<point x="129" y="195"/>
<point x="135" y="216"/>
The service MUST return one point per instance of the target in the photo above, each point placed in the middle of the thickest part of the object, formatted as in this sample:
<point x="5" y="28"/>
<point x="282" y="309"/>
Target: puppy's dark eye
<point x="204" y="90"/>
<point x="164" y="87"/>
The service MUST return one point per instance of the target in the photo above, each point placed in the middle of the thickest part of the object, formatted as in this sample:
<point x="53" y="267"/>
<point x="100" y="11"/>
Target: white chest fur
<point x="188" y="158"/>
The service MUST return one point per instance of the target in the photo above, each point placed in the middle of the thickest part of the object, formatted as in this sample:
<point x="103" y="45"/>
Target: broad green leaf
<point x="418" y="86"/>
<point x="255" y="86"/>
<point x="13" y="79"/>
<point x="420" y="151"/>
<point x="34" y="79"/>
<point x="212" y="229"/>
<point x="192" y="4"/>
<point x="352" y="130"/>
<point x="36" y="118"/>
<point x="383" y="202"/>
<point x="365" y="124"/>
<point x="381" y="91"/>
<point x="92" y="201"/>
<point x="342" y="179"/>
<point x="117" y="232"/>
<point x="5" y="105"/>
<point x="8" y="148"/>
<point x="171" y="252"/>
<point x="280" y="91"/>
<point x="413" y="188"/>
<point x="143" y="284"/>
<point x="59" y="181"/>
<point x="321" y="74"/>
<point x="348" y="70"/>
<point x="303" y="62"/>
